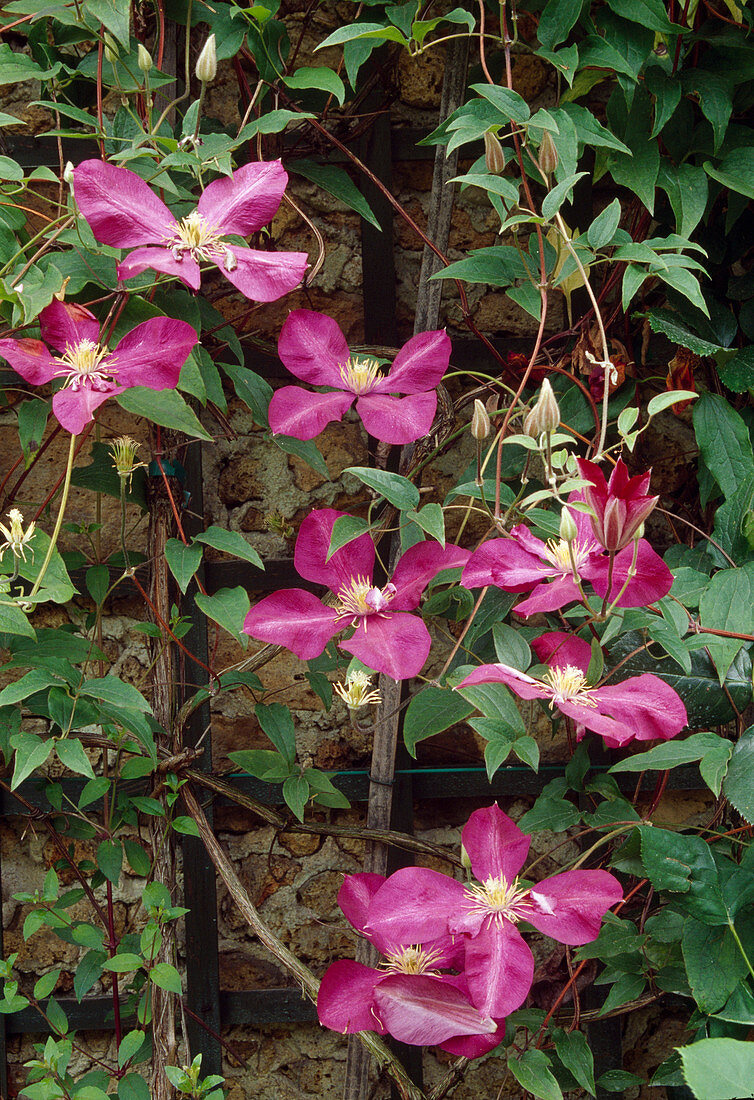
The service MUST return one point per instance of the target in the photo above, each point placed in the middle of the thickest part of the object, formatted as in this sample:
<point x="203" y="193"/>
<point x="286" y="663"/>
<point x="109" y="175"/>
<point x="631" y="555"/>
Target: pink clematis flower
<point x="386" y="639"/>
<point x="620" y="505"/>
<point x="313" y="348"/>
<point x="124" y="212"/>
<point x="643" y="707"/>
<point x="524" y="563"/>
<point x="151" y="354"/>
<point x="498" y="964"/>
<point x="409" y="996"/>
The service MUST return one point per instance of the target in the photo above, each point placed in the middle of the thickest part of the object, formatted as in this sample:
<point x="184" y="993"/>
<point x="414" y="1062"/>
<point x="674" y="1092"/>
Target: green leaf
<point x="647" y="13"/>
<point x="14" y="621"/>
<point x="72" y="756"/>
<point x="737" y="372"/>
<point x="588" y="130"/>
<point x="110" y="860"/>
<point x="345" y="530"/>
<point x="363" y="30"/>
<point x="98" y="582"/>
<point x="17" y="67"/>
<point x="494" y="701"/>
<point x="45" y="985"/>
<point x="133" y="1087"/>
<point x="430" y="712"/>
<point x="337" y="182"/>
<point x="551" y="810"/>
<point x="305" y="449"/>
<point x="296" y="794"/>
<point x="130" y="1045"/>
<point x="666" y="91"/>
<point x="510" y="104"/>
<point x="254" y="391"/>
<point x="727" y="603"/>
<point x="715" y="92"/>
<point x="32" y="421"/>
<point x="556" y="20"/>
<point x="30" y="753"/>
<point x="228" y="607"/>
<point x="736" y="171"/>
<point x="554" y="199"/>
<point x="672" y="754"/>
<point x="719" y="1069"/>
<point x="183" y="561"/>
<point x="714" y="964"/>
<point x="662" y="401"/>
<point x="724" y="442"/>
<point x="638" y="172"/>
<point x="431" y="519"/>
<point x="262" y="763"/>
<point x="123" y="963"/>
<point x="88" y="972"/>
<point x="602" y="230"/>
<point x="573" y="1050"/>
<point x="683" y="865"/>
<point x="320" y="78"/>
<point x="230" y="542"/>
<point x="671" y="325"/>
<point x="56" y="586"/>
<point x="119" y="692"/>
<point x="738" y="785"/>
<point x="166" y="977"/>
<point x="277" y="723"/>
<point x="114" y="14"/>
<point x="533" y="1072"/>
<point x="399" y="491"/>
<point x="36" y="680"/>
<point x="139" y="861"/>
<point x="184" y="825"/>
<point x="687" y="188"/>
<point x="164" y="407"/>
<point x="498" y="265"/>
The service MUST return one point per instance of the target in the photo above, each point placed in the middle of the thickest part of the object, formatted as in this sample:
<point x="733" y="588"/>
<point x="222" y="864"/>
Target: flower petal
<point x="526" y="687"/>
<point x="418" y="566"/>
<point x="152" y="353"/>
<point x="75" y="408"/>
<point x="265" y="276"/>
<point x="569" y="907"/>
<point x="295" y="619"/>
<point x="354" y="559"/>
<point x="312" y="347"/>
<point x="183" y="267"/>
<point x="549" y="597"/>
<point x="472" y="1046"/>
<point x="30" y="359"/>
<point x="494" y="843"/>
<point x="64" y="324"/>
<point x="419" y="365"/>
<point x="507" y="564"/>
<point x="247" y="200"/>
<point x="303" y="414"/>
<point x="652" y="579"/>
<point x="397" y="644"/>
<point x="413" y="906"/>
<point x="120" y="207"/>
<point x="558" y="649"/>
<point x="397" y="419"/>
<point x="646" y="705"/>
<point x="499" y="968"/>
<point x="356" y="894"/>
<point x="345" y="1001"/>
<point x="422" y="1010"/>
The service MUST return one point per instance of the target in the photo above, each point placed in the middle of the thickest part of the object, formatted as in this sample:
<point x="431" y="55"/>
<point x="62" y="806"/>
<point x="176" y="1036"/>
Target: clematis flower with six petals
<point x="387" y="638"/>
<point x="124" y="212"/>
<point x="643" y="708"/>
<point x="524" y="563"/>
<point x="313" y="348"/>
<point x="151" y="354"/>
<point x="620" y="505"/>
<point x="409" y="996"/>
<point x="423" y="904"/>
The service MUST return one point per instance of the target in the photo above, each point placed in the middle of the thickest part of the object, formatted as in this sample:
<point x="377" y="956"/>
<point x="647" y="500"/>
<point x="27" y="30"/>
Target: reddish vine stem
<point x="164" y="626"/>
<point x="112" y="946"/>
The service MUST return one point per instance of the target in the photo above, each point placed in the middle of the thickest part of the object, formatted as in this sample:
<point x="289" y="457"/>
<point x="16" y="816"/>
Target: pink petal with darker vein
<point x="558" y="649"/>
<point x="499" y="968"/>
<point x="507" y="564"/>
<point x="356" y="894"/>
<point x="75" y="408"/>
<point x="526" y="687"/>
<point x="247" y="200"/>
<point x="345" y="1001"/>
<point x="312" y="347"/>
<point x="303" y="414"/>
<point x="120" y="207"/>
<point x="549" y="596"/>
<point x="418" y="566"/>
<point x="651" y="582"/>
<point x="161" y="259"/>
<point x="569" y="907"/>
<point x="646" y="705"/>
<point x="397" y="644"/>
<point x="419" y="365"/>
<point x="397" y="419"/>
<point x="30" y="359"/>
<point x="414" y="905"/>
<point x="152" y="353"/>
<point x="422" y="1010"/>
<point x="264" y="276"/>
<point x="354" y="559"/>
<point x="494" y="843"/>
<point x="64" y="324"/>
<point x="295" y="619"/>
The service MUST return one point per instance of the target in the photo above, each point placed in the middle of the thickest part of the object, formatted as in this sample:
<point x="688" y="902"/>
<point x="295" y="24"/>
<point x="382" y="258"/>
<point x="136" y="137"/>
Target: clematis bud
<point x="568" y="529"/>
<point x="355" y="692"/>
<point x="68" y="174"/>
<point x="548" y="154"/>
<point x="206" y="65"/>
<point x="480" y="422"/>
<point x="144" y="58"/>
<point x="112" y="53"/>
<point x="494" y="157"/>
<point x="619" y="506"/>
<point x="545" y="416"/>
<point x="124" y="450"/>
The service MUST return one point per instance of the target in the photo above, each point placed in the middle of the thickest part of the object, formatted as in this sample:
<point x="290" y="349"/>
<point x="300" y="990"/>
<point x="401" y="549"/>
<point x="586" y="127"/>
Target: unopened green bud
<point x="545" y="416"/>
<point x="568" y="529"/>
<point x="480" y="422"/>
<point x="548" y="154"/>
<point x="465" y="859"/>
<point x="494" y="157"/>
<point x="68" y="173"/>
<point x="206" y="65"/>
<point x="112" y="53"/>
<point x="639" y="532"/>
<point x="144" y="58"/>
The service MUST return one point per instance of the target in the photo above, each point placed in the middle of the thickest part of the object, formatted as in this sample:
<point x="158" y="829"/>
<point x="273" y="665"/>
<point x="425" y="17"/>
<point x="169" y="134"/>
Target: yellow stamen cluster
<point x="352" y="597"/>
<point x="411" y="960"/>
<point x="355" y="693"/>
<point x="123" y="450"/>
<point x="15" y="536"/>
<point x="499" y="898"/>
<point x="82" y="363"/>
<point x="559" y="554"/>
<point x="195" y="235"/>
<point x="568" y="685"/>
<point x="360" y="374"/>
